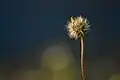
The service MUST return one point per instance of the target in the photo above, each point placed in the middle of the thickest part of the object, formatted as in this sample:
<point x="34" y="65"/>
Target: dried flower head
<point x="78" y="27"/>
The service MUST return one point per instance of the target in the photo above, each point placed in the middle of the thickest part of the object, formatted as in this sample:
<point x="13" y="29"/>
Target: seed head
<point x="78" y="27"/>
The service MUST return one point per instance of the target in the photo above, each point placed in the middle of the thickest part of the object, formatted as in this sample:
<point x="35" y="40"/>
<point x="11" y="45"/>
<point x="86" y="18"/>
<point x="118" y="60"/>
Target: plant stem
<point x="82" y="59"/>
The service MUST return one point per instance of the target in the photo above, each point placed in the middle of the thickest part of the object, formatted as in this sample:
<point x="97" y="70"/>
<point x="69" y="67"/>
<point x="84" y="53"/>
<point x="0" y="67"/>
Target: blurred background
<point x="34" y="44"/>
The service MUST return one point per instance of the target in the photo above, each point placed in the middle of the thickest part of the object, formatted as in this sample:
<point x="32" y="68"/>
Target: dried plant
<point x="77" y="28"/>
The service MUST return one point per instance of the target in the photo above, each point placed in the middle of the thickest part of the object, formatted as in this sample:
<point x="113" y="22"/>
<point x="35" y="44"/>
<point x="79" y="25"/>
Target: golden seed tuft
<point x="77" y="27"/>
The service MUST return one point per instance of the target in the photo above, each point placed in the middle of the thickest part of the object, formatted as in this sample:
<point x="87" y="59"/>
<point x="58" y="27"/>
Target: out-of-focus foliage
<point x="61" y="63"/>
<point x="115" y="77"/>
<point x="58" y="63"/>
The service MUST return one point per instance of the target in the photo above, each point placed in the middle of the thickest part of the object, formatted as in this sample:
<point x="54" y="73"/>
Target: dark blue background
<point x="27" y="24"/>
